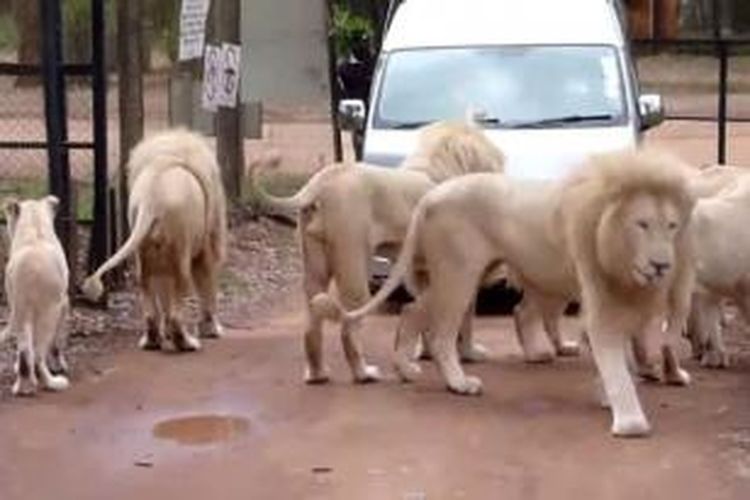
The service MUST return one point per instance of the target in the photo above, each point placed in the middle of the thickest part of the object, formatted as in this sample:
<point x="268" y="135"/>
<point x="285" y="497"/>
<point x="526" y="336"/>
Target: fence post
<point x="130" y="95"/>
<point x="98" y="247"/>
<point x="722" y="102"/>
<point x="230" y="144"/>
<point x="55" y="118"/>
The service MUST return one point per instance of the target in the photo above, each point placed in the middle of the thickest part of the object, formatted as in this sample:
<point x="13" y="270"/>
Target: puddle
<point x="201" y="429"/>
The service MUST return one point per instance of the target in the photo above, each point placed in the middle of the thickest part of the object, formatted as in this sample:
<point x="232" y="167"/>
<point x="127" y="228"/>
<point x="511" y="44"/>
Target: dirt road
<point x="255" y="431"/>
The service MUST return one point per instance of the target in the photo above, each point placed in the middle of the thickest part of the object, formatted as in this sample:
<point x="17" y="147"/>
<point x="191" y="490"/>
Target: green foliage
<point x="164" y="17"/>
<point x="8" y="32"/>
<point x="348" y="28"/>
<point x="77" y="30"/>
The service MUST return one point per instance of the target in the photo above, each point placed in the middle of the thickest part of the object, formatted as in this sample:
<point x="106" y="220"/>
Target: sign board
<point x="285" y="56"/>
<point x="221" y="76"/>
<point x="193" y="28"/>
<point x="211" y="77"/>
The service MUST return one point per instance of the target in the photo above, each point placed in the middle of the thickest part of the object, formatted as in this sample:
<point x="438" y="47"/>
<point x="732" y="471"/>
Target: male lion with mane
<point x="349" y="212"/>
<point x="177" y="212"/>
<point x="615" y="235"/>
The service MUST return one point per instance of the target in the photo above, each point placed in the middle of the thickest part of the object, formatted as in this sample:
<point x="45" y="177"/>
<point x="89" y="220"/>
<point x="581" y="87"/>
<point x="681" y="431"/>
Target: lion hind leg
<point x="151" y="339"/>
<point x="413" y="324"/>
<point x="206" y="286"/>
<point x="608" y="347"/>
<point x="316" y="278"/>
<point x="715" y="354"/>
<point x="45" y="330"/>
<point x="175" y="329"/>
<point x="26" y="380"/>
<point x="351" y="275"/>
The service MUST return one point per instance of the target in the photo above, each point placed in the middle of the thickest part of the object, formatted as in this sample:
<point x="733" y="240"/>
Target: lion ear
<point x="11" y="208"/>
<point x="53" y="202"/>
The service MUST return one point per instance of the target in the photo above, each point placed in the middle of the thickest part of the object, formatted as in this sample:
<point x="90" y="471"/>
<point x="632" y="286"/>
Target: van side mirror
<point x="651" y="109"/>
<point x="352" y="114"/>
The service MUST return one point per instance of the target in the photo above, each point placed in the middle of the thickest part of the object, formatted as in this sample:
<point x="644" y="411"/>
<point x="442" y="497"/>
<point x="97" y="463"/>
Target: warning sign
<point x="221" y="76"/>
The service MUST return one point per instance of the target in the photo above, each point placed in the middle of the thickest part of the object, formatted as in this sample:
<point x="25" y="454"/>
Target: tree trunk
<point x="26" y="16"/>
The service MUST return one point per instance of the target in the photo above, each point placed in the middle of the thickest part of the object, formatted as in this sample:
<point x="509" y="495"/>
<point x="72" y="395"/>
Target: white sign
<point x="193" y="28"/>
<point x="230" y="75"/>
<point x="211" y="77"/>
<point x="221" y="76"/>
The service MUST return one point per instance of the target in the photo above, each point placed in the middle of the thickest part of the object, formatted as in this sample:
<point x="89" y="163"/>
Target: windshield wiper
<point x="562" y="120"/>
<point x="488" y="120"/>
<point x="408" y="125"/>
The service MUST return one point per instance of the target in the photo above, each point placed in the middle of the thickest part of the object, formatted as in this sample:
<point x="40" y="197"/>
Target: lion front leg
<point x="608" y="347"/>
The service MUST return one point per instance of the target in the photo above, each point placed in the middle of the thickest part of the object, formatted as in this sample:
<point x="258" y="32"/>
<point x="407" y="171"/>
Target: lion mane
<point x="177" y="212"/>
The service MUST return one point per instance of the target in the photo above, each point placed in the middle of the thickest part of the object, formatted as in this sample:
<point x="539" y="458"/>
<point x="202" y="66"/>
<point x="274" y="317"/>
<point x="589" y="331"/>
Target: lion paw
<point x="24" y="387"/>
<point x="635" y="426"/>
<point x="469" y="386"/>
<point x="649" y="372"/>
<point x="407" y="370"/>
<point x="148" y="343"/>
<point x="539" y="357"/>
<point x="568" y="348"/>
<point x="316" y="377"/>
<point x="57" y="383"/>
<point x="475" y="353"/>
<point x="368" y="374"/>
<point x="185" y="342"/>
<point x="210" y="329"/>
<point x="715" y="359"/>
<point x="679" y="377"/>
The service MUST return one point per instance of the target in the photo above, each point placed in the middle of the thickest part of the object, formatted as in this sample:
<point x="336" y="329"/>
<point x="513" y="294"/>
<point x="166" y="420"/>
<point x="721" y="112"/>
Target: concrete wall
<point x="284" y="56"/>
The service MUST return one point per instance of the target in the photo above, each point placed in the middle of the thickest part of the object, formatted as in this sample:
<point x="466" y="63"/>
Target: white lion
<point x="615" y="235"/>
<point x="177" y="213"/>
<point x="36" y="282"/>
<point x="349" y="212"/>
<point x="722" y="251"/>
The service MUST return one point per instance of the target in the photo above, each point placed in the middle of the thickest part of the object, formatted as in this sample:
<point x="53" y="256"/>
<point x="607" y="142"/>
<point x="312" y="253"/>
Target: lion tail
<point x="93" y="286"/>
<point x="306" y="196"/>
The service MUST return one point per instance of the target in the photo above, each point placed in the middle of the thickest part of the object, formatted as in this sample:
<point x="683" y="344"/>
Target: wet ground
<point x="236" y="422"/>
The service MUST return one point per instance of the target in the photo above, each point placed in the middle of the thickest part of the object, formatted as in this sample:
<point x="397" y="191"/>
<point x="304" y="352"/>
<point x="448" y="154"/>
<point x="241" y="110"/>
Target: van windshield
<point x="503" y="87"/>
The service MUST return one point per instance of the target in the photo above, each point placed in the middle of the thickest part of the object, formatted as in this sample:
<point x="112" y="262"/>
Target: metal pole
<point x="338" y="151"/>
<point x="722" y="54"/>
<point x="55" y="118"/>
<point x="722" y="112"/>
<point x="98" y="248"/>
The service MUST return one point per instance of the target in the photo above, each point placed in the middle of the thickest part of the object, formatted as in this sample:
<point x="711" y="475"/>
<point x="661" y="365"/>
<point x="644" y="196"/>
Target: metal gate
<point x="54" y="74"/>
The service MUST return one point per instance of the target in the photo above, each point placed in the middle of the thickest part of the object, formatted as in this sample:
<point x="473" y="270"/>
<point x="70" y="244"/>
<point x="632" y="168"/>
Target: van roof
<point x="450" y="23"/>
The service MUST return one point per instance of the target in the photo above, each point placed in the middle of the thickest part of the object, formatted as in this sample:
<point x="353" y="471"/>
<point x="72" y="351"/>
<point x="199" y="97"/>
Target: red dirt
<point x="535" y="433"/>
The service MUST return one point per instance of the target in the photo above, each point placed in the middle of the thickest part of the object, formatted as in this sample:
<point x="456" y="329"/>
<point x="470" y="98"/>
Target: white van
<point x="551" y="81"/>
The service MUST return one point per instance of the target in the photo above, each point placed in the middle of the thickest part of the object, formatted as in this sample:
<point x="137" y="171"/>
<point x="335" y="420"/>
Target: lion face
<point x="638" y="237"/>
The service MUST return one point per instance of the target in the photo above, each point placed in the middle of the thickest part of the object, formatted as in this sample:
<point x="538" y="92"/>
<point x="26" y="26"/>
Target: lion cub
<point x="36" y="283"/>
